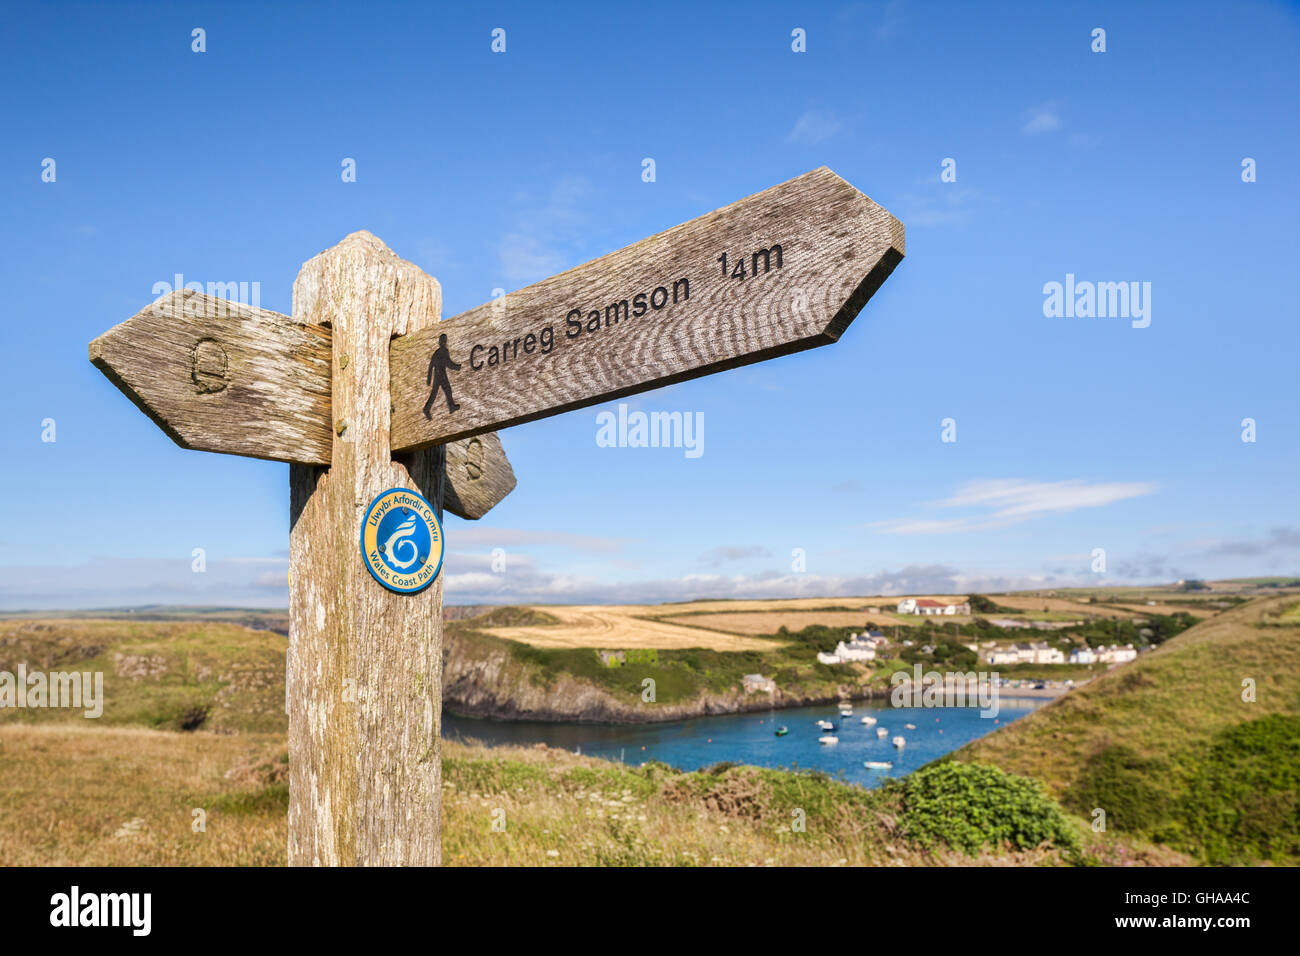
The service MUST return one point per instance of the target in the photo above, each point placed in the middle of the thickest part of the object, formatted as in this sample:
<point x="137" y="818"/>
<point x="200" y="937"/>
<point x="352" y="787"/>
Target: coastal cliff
<point x="488" y="677"/>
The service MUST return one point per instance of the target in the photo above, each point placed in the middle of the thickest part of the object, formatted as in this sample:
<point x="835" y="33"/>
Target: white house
<point x="855" y="650"/>
<point x="828" y="658"/>
<point x="754" y="683"/>
<point x="1046" y="654"/>
<point x="1039" y="653"/>
<point x="1083" y="655"/>
<point x="1116" y="654"/>
<point x="927" y="606"/>
<point x="1002" y="655"/>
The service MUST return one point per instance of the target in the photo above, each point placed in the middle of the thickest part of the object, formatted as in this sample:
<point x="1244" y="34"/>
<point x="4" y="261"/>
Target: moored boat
<point x="782" y="730"/>
<point x="869" y="721"/>
<point x="878" y="765"/>
<point x="899" y="742"/>
<point x="828" y="739"/>
<point x="882" y="733"/>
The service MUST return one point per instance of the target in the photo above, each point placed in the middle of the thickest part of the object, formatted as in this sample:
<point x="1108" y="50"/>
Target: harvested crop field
<point x="1032" y="604"/>
<point x="769" y="622"/>
<point x="618" y="628"/>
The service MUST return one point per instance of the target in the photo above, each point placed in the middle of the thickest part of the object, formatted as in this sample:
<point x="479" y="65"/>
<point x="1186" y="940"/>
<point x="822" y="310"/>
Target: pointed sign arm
<point x="222" y="376"/>
<point x="783" y="270"/>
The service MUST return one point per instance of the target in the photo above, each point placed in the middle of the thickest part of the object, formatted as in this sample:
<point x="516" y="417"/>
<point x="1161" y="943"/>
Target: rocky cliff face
<point x="480" y="681"/>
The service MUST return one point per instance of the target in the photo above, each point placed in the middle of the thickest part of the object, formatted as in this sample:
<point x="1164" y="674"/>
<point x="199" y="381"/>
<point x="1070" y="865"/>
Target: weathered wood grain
<point x="217" y="375"/>
<point x="836" y="248"/>
<point x="478" y="476"/>
<point x="365" y="664"/>
<point x="220" y="376"/>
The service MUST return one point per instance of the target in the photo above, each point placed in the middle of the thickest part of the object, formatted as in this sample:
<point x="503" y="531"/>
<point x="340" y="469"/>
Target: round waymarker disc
<point x="401" y="541"/>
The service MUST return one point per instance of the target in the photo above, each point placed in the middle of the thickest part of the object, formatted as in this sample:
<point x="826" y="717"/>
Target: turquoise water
<point x="750" y="738"/>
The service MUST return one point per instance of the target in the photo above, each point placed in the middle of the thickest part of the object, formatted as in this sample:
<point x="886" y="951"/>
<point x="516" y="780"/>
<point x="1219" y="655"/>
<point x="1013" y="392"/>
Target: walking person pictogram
<point x="437" y="377"/>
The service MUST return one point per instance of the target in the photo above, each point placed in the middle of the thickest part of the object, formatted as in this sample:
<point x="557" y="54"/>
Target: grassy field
<point x="85" y="795"/>
<point x="128" y="796"/>
<point x="1168" y="747"/>
<point x="161" y="674"/>
<point x="1186" y="770"/>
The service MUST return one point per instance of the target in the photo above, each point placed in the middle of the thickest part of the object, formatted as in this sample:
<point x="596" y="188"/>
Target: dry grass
<point x="73" y="795"/>
<point x="617" y="627"/>
<point x="1142" y="610"/>
<point x="1061" y="605"/>
<point x="77" y="795"/>
<point x="769" y="622"/>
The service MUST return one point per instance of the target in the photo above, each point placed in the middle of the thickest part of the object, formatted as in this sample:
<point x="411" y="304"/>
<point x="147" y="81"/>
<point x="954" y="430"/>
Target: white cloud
<point x="1003" y="502"/>
<point x="488" y="537"/>
<point x="539" y="244"/>
<point x="1041" y="119"/>
<point x="815" y="126"/>
<point x="115" y="582"/>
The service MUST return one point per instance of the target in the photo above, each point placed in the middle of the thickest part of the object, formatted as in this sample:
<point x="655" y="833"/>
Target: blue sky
<point x="498" y="169"/>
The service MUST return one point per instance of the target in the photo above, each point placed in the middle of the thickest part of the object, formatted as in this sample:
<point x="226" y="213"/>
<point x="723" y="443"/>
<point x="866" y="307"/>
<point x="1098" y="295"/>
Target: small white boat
<point x="899" y="742"/>
<point x="846" y="710"/>
<point x="909" y="726"/>
<point x="878" y="765"/>
<point x="828" y="739"/>
<point x="882" y="733"/>
<point x="825" y="725"/>
<point x="869" y="721"/>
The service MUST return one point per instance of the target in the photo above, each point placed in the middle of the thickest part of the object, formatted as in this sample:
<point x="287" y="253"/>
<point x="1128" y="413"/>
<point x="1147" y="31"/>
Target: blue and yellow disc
<point x="401" y="541"/>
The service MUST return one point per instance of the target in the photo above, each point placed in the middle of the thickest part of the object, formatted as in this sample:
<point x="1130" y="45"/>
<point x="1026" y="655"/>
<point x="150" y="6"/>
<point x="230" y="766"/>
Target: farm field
<point x="1032" y="604"/>
<point x="769" y="622"/>
<point x="619" y="627"/>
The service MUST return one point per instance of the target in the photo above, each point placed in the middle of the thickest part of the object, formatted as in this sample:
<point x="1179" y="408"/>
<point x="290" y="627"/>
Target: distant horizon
<point x="269" y="608"/>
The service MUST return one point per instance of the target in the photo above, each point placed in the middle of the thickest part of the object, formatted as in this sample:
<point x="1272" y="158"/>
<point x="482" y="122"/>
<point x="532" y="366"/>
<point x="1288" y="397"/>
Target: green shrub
<point x="969" y="805"/>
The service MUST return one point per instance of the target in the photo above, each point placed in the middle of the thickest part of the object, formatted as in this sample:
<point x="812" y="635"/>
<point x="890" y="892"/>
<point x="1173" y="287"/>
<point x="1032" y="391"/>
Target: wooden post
<point x="347" y="391"/>
<point x="365" y="663"/>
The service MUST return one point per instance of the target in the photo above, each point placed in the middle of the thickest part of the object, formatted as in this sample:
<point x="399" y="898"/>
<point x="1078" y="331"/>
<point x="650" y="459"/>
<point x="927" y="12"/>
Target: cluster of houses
<point x="1041" y="652"/>
<point x="859" y="647"/>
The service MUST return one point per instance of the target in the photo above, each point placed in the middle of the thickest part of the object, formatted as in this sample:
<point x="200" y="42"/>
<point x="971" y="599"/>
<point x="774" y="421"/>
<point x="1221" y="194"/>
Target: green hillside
<point x="1169" y="747"/>
<point x="166" y="675"/>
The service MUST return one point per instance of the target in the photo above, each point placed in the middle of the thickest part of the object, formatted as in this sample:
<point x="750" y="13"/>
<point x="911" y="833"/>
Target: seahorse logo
<point x="399" y="539"/>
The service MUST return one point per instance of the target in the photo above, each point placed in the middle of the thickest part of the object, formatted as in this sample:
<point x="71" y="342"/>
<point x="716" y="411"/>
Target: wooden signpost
<point x="364" y="391"/>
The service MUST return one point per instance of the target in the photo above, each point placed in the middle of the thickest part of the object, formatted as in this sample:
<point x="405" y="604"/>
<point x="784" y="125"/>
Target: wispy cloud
<point x="891" y="20"/>
<point x="538" y="243"/>
<point x="815" y="126"/>
<point x="1045" y="118"/>
<point x="487" y="537"/>
<point x="1279" y="539"/>
<point x="715" y="557"/>
<point x="947" y="205"/>
<point x="1002" y="502"/>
